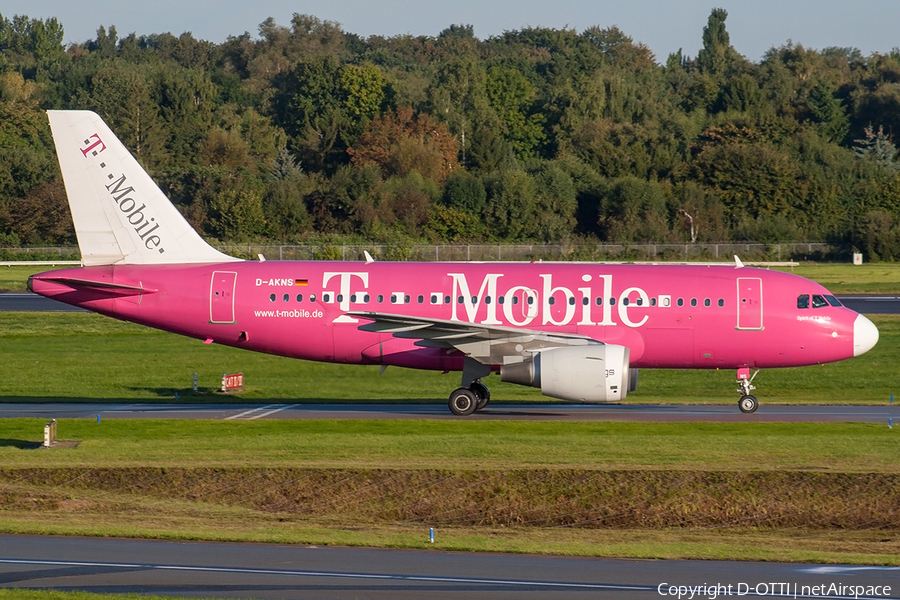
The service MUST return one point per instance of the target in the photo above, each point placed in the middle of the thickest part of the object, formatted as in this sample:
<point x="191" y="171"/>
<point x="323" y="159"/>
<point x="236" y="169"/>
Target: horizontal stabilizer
<point x="77" y="284"/>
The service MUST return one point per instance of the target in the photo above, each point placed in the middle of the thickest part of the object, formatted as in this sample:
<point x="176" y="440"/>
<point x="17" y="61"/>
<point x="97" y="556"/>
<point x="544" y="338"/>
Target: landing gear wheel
<point x="483" y="394"/>
<point x="463" y="402"/>
<point x="748" y="404"/>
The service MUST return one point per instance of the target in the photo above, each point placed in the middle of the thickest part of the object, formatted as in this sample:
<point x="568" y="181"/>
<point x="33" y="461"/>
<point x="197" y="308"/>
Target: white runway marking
<point x="259" y="412"/>
<point x="334" y="574"/>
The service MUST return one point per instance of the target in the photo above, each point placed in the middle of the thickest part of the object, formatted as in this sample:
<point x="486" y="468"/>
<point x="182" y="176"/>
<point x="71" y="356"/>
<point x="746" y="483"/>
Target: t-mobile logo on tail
<point x="90" y="146"/>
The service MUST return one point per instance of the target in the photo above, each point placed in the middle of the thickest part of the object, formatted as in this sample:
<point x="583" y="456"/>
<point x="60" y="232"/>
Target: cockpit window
<point x="803" y="301"/>
<point x="819" y="301"/>
<point x="833" y="301"/>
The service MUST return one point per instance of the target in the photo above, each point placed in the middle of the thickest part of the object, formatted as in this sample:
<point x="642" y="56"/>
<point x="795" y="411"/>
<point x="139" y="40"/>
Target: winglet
<point x="369" y="259"/>
<point x="737" y="263"/>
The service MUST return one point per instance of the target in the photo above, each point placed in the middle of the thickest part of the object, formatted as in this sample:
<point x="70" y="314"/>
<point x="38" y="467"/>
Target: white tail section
<point x="121" y="216"/>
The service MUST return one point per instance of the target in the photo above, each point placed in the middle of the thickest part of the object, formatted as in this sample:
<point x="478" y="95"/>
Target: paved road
<point x="531" y="412"/>
<point x="872" y="305"/>
<point x="24" y="301"/>
<point x="217" y="570"/>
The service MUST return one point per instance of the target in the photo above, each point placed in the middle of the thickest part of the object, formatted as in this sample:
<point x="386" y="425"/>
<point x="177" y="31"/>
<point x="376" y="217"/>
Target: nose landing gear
<point x="748" y="402"/>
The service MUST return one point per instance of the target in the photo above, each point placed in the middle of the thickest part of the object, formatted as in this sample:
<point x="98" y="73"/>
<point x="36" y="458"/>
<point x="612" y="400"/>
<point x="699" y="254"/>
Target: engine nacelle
<point x="595" y="373"/>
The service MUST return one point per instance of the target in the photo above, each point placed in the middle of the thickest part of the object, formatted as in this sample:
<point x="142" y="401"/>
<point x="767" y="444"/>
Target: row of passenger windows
<point x="818" y="301"/>
<point x="436" y="299"/>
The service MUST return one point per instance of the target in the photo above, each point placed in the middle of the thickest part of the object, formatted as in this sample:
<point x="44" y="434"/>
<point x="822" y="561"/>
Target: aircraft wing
<point x="487" y="344"/>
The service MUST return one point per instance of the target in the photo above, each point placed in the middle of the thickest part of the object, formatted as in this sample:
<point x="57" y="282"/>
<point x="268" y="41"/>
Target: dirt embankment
<point x="535" y="497"/>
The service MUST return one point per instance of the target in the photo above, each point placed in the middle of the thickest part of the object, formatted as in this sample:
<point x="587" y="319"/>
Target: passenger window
<point x="340" y="297"/>
<point x="721" y="302"/>
<point x="366" y="299"/>
<point x="706" y="302"/>
<point x="460" y="300"/>
<point x="352" y="298"/>
<point x="833" y="301"/>
<point x="612" y="301"/>
<point x="474" y="299"/>
<point x="626" y="301"/>
<point x="326" y="298"/>
<point x="406" y="299"/>
<point x="693" y="302"/>
<point x="299" y="297"/>
<point x="515" y="300"/>
<point x="380" y="298"/>
<point x="551" y="300"/>
<point x="286" y="298"/>
<point x="803" y="301"/>
<point x="420" y="299"/>
<point x="312" y="297"/>
<point x="819" y="301"/>
<point x="652" y="301"/>
<point x="680" y="302"/>
<point x="599" y="301"/>
<point x="640" y="301"/>
<point x="393" y="298"/>
<point x="271" y="297"/>
<point x="585" y="301"/>
<point x="447" y="299"/>
<point x="435" y="299"/>
<point x="572" y="301"/>
<point x="501" y="300"/>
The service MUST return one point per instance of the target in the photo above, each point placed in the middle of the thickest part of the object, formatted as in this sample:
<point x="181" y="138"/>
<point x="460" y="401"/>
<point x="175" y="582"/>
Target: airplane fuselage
<point x="668" y="316"/>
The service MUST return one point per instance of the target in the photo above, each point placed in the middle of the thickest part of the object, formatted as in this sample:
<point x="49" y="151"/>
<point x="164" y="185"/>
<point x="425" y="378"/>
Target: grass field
<point x="82" y="356"/>
<point x="746" y="491"/>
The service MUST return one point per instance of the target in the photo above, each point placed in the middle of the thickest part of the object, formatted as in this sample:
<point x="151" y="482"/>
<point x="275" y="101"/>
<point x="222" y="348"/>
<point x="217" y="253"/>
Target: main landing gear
<point x="465" y="401"/>
<point x="473" y="395"/>
<point x="748" y="402"/>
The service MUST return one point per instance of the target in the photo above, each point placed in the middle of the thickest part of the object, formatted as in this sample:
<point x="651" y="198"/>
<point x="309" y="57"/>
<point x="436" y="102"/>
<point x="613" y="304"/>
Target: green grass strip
<point x="77" y="357"/>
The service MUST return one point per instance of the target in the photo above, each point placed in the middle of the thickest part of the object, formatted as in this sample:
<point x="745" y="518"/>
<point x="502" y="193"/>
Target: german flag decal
<point x="301" y="282"/>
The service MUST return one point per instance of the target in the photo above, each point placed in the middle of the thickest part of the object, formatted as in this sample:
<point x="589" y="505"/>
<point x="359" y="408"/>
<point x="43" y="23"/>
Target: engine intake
<point x="597" y="373"/>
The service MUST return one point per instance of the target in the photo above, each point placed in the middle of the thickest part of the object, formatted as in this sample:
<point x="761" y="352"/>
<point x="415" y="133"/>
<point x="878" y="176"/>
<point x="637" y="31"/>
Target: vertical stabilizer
<point x="121" y="216"/>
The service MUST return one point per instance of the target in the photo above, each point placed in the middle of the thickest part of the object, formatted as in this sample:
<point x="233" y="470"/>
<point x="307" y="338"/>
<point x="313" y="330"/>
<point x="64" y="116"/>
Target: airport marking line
<point x="419" y="578"/>
<point x="334" y="574"/>
<point x="246" y="415"/>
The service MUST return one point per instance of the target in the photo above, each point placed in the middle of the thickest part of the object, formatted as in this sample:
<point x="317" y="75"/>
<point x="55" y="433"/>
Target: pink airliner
<point x="578" y="332"/>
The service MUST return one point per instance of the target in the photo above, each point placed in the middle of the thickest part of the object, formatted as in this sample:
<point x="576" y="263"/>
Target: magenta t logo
<point x="91" y="146"/>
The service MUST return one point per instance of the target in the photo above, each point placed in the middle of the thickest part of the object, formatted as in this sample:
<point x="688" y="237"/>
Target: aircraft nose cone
<point x="865" y="335"/>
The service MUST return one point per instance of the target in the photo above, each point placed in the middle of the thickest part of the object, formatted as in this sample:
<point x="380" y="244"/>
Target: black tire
<point x="748" y="404"/>
<point x="462" y="402"/>
<point x="482" y="393"/>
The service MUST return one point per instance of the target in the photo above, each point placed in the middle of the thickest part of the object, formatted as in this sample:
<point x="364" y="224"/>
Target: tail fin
<point x="121" y="216"/>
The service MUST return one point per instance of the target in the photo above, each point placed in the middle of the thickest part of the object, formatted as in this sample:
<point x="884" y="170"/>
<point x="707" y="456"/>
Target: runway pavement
<point x="219" y="570"/>
<point x="543" y="411"/>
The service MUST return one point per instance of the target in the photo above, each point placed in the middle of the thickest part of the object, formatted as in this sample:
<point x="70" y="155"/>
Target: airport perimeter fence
<point x="724" y="252"/>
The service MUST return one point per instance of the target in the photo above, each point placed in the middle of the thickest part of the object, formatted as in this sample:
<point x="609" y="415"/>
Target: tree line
<point x="307" y="132"/>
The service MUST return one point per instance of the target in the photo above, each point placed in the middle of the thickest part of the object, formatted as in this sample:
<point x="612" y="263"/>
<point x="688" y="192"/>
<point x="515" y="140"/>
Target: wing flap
<point x="487" y="344"/>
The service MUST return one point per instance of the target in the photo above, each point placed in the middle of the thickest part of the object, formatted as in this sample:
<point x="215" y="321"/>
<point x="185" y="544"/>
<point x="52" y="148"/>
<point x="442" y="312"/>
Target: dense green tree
<point x="634" y="210"/>
<point x="536" y="134"/>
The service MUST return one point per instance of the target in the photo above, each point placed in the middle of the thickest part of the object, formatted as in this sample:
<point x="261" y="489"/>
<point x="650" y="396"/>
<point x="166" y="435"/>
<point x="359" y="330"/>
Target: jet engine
<point x="596" y="373"/>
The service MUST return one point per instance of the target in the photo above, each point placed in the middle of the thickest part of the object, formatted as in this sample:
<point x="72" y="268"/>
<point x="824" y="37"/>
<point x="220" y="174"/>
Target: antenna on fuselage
<point x="737" y="263"/>
<point x="369" y="259"/>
